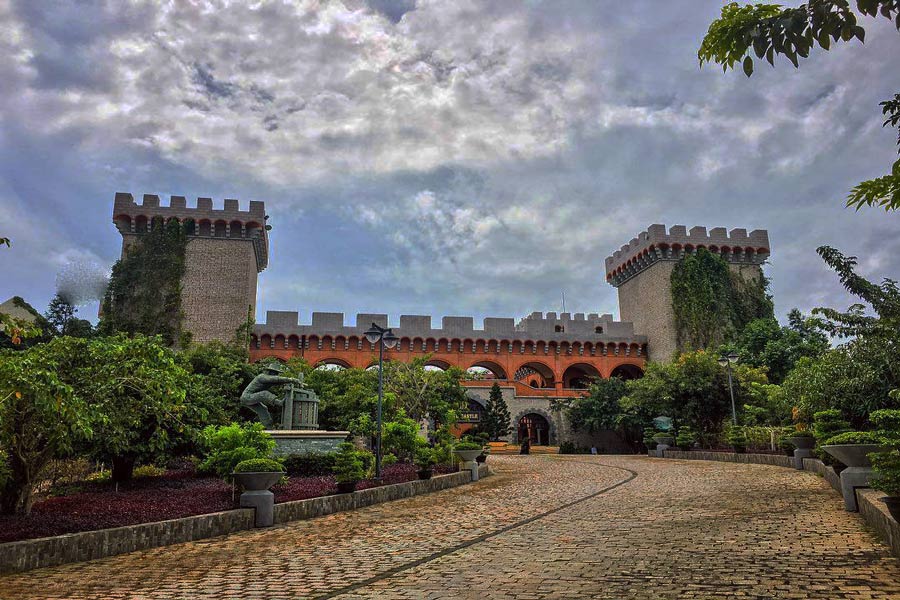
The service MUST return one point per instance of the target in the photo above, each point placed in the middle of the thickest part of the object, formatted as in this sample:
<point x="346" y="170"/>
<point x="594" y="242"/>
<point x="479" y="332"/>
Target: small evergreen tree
<point x="496" y="415"/>
<point x="61" y="319"/>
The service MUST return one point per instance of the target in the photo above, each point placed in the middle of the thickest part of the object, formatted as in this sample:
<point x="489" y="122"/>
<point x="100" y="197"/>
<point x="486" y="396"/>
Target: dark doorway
<point x="534" y="428"/>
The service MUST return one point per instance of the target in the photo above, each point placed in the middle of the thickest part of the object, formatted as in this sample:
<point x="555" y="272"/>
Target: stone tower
<point x="227" y="249"/>
<point x="642" y="270"/>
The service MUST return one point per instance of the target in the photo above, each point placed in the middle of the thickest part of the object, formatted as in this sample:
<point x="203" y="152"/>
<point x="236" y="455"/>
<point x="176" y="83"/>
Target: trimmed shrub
<point x="148" y="471"/>
<point x="568" y="447"/>
<point x="686" y="438"/>
<point x="228" y="445"/>
<point x="467" y="445"/>
<point x="259" y="465"/>
<point x="854" y="437"/>
<point x="425" y="458"/>
<point x="736" y="438"/>
<point x="887" y="471"/>
<point x="309" y="464"/>
<point x="348" y="464"/>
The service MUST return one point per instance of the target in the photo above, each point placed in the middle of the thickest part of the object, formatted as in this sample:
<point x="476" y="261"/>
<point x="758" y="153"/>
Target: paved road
<point x="543" y="527"/>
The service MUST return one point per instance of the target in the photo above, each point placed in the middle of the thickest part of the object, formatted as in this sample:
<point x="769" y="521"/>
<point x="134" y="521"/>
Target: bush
<point x="148" y="471"/>
<point x="228" y="445"/>
<point x="686" y="438"/>
<point x="887" y="472"/>
<point x="649" y="432"/>
<point x="467" y="445"/>
<point x="348" y="464"/>
<point x="854" y="437"/>
<point x="736" y="438"/>
<point x="827" y="424"/>
<point x="887" y="421"/>
<point x="425" y="458"/>
<point x="388" y="460"/>
<point x="309" y="464"/>
<point x="400" y="437"/>
<point x="259" y="465"/>
<point x="568" y="447"/>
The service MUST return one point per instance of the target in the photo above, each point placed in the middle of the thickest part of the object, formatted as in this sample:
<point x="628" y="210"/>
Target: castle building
<point x="538" y="361"/>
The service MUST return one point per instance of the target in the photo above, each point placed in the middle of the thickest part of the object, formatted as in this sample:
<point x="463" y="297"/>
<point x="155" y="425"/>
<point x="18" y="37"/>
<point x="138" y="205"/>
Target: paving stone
<point x="679" y="529"/>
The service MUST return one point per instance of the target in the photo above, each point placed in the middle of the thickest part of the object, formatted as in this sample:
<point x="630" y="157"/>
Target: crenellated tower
<point x="227" y="249"/>
<point x="642" y="271"/>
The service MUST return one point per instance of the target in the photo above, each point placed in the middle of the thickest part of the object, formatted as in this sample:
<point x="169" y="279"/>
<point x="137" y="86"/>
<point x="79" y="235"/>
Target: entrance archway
<point x="535" y="429"/>
<point x="627" y="372"/>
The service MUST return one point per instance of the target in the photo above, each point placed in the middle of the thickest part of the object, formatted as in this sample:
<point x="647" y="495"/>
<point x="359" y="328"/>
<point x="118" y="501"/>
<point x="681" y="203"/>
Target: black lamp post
<point x="385" y="338"/>
<point x="726" y="361"/>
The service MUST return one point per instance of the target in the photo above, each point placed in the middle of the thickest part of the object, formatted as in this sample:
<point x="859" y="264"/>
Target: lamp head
<point x="723" y="361"/>
<point x="373" y="334"/>
<point x="389" y="339"/>
<point x="733" y="357"/>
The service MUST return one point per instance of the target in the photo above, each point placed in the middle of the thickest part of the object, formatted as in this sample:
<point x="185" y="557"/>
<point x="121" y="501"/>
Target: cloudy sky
<point x="434" y="157"/>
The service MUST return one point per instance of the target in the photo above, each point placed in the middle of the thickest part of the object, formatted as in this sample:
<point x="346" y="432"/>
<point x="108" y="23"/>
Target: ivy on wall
<point x="144" y="293"/>
<point x="712" y="303"/>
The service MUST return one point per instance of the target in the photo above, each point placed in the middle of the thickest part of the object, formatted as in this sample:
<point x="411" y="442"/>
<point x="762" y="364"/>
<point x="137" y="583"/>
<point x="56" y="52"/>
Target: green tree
<point x="692" y="389"/>
<point x="400" y="437"/>
<point x="61" y="319"/>
<point x="767" y="30"/>
<point x="220" y="372"/>
<point x="139" y="390"/>
<point x="424" y="393"/>
<point x="144" y="293"/>
<point x="41" y="417"/>
<point x="711" y="303"/>
<point x="599" y="409"/>
<point x="496" y="415"/>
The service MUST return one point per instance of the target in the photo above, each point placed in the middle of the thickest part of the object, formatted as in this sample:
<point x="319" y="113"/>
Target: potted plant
<point x="348" y="469"/>
<point x="648" y="440"/>
<point x="736" y="438"/>
<point x="801" y="440"/>
<point x="482" y="438"/>
<point x="853" y="447"/>
<point x="258" y="474"/>
<point x="686" y="438"/>
<point x="467" y="450"/>
<point x="886" y="466"/>
<point x="425" y="461"/>
<point x="664" y="438"/>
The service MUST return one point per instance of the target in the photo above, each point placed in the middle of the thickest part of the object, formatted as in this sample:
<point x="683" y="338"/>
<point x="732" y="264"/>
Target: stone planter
<point x="481" y="458"/>
<point x="468" y="461"/>
<point x="257" y="495"/>
<point x="893" y="506"/>
<point x="803" y="442"/>
<point x="667" y="441"/>
<point x="858" y="472"/>
<point x="853" y="455"/>
<point x="346" y="487"/>
<point x="424" y="473"/>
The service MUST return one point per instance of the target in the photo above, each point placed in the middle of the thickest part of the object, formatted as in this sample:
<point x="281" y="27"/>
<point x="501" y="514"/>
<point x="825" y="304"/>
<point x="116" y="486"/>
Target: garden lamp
<point x="725" y="361"/>
<point x="385" y="338"/>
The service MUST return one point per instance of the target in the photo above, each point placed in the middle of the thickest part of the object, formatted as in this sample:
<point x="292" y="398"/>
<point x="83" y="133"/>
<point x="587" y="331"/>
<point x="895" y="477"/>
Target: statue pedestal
<point x="306" y="441"/>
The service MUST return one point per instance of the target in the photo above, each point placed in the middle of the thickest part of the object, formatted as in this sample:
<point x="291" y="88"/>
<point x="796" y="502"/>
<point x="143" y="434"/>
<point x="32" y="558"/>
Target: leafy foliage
<point x="309" y="464"/>
<point x="144" y="293"/>
<point x="686" y="438"/>
<point x="599" y="409"/>
<point x="41" y="417"/>
<point x="61" y="319"/>
<point x="227" y="446"/>
<point x="712" y="303"/>
<point x="348" y="464"/>
<point x="423" y="393"/>
<point x="259" y="465"/>
<point x="496" y="415"/>
<point x="887" y="471"/>
<point x="400" y="437"/>
<point x="854" y="437"/>
<point x="767" y="30"/>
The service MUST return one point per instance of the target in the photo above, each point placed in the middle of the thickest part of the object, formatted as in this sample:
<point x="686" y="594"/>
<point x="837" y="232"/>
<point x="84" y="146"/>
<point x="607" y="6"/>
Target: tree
<point x="61" y="319"/>
<point x="424" y="393"/>
<point x="692" y="389"/>
<point x="144" y="293"/>
<point x="41" y="417"/>
<point x="138" y="390"/>
<point x="767" y="30"/>
<point x="765" y="343"/>
<point x="599" y="410"/>
<point x="496" y="415"/>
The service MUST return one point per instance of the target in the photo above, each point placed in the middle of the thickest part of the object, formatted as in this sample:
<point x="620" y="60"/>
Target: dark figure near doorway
<point x="526" y="446"/>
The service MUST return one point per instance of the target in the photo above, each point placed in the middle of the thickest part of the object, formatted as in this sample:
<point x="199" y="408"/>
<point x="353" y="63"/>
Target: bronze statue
<point x="258" y="398"/>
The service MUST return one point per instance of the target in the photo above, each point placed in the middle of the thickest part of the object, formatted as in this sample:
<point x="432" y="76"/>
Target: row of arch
<point x="461" y="345"/>
<point x="201" y="227"/>
<point x="675" y="250"/>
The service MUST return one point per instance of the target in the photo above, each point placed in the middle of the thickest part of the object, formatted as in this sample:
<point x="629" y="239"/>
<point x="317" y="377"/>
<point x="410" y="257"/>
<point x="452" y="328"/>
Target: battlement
<point x="227" y="222"/>
<point x="534" y="327"/>
<point x="655" y="244"/>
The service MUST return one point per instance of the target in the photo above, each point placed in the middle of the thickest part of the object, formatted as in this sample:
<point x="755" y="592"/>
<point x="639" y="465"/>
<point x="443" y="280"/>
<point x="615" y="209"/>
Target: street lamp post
<point x="726" y="361"/>
<point x="385" y="338"/>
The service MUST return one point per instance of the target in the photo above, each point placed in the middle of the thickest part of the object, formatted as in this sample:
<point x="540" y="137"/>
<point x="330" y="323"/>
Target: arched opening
<point x="333" y="364"/>
<point x="627" y="372"/>
<point x="474" y="413"/>
<point x="487" y="369"/>
<point x="580" y="376"/>
<point x="219" y="229"/>
<point x="123" y="223"/>
<point x="141" y="224"/>
<point x="234" y="229"/>
<point x="534" y="428"/>
<point x="253" y="229"/>
<point x="280" y="341"/>
<point x="535" y="374"/>
<point x="205" y="228"/>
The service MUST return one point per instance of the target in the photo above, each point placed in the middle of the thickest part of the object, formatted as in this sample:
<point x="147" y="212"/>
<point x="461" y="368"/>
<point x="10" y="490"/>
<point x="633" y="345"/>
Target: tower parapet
<point x="655" y="244"/>
<point x="226" y="250"/>
<point x="642" y="272"/>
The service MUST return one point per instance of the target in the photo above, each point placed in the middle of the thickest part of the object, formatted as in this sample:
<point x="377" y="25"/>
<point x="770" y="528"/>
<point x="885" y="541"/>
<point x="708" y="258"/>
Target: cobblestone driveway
<point x="543" y="527"/>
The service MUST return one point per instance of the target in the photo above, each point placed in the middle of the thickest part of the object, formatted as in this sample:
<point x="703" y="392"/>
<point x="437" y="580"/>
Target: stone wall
<point x="646" y="301"/>
<point x="89" y="545"/>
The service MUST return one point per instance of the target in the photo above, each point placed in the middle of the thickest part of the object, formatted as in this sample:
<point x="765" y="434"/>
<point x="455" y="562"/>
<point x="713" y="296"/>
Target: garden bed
<point x="177" y="494"/>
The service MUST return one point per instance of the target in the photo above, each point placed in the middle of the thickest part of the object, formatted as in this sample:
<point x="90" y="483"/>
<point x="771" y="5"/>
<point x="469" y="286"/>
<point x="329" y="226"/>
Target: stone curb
<point x="24" y="555"/>
<point x="871" y="508"/>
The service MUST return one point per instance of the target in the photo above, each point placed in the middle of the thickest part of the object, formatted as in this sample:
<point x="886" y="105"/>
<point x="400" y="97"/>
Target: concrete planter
<point x="893" y="506"/>
<point x="467" y="455"/>
<point x="258" y="480"/>
<point x="853" y="455"/>
<point x="667" y="441"/>
<point x="803" y="442"/>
